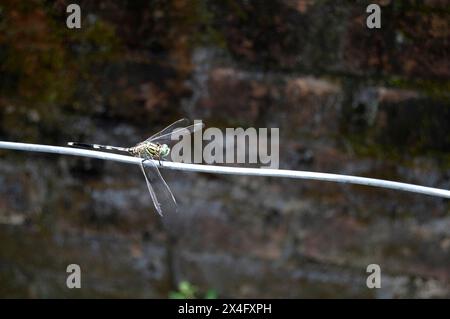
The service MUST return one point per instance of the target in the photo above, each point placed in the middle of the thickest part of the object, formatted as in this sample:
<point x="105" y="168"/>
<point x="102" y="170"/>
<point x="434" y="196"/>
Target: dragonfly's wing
<point x="180" y="123"/>
<point x="177" y="133"/>
<point x="160" y="192"/>
<point x="151" y="191"/>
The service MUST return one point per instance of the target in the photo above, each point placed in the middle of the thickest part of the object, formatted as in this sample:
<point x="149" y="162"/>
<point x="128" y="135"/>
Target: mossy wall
<point x="346" y="99"/>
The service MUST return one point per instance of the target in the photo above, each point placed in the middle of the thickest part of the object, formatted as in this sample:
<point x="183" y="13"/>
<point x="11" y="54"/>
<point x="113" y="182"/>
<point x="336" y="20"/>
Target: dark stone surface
<point x="347" y="100"/>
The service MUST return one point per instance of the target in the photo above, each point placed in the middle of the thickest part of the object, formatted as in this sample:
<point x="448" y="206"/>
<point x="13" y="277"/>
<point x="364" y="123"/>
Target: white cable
<point x="231" y="170"/>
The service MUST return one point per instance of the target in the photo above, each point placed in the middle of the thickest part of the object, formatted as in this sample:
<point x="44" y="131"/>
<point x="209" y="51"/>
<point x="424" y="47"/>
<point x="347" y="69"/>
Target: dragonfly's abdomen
<point x="146" y="150"/>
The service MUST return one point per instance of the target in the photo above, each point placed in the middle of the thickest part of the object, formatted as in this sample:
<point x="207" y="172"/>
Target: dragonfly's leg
<point x="154" y="158"/>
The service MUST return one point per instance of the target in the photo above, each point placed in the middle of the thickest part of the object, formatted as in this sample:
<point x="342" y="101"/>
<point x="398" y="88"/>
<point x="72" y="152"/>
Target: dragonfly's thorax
<point x="150" y="150"/>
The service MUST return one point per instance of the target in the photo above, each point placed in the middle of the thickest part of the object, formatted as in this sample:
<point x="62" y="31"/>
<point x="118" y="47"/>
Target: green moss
<point x="439" y="89"/>
<point x="44" y="65"/>
<point x="394" y="153"/>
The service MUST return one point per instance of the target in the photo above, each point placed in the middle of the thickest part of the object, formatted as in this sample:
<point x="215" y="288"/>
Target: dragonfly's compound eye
<point x="165" y="150"/>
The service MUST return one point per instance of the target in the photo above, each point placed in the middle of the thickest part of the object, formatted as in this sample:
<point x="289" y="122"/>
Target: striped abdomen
<point x="99" y="147"/>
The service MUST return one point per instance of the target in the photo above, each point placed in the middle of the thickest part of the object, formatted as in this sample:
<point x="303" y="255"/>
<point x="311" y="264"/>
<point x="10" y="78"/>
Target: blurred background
<point x="347" y="100"/>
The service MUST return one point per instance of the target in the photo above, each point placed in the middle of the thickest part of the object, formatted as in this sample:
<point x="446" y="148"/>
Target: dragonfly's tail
<point x="99" y="147"/>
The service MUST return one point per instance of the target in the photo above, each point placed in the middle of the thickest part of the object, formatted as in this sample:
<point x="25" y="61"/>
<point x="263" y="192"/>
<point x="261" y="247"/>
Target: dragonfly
<point x="156" y="147"/>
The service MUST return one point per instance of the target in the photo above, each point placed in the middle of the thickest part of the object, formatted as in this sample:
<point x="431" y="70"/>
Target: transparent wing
<point x="151" y="191"/>
<point x="160" y="192"/>
<point x="180" y="123"/>
<point x="175" y="132"/>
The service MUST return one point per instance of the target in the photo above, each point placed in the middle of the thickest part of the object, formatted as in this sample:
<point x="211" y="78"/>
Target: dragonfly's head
<point x="164" y="150"/>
